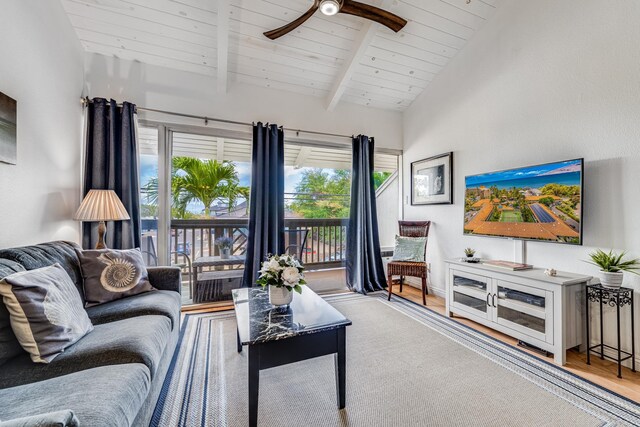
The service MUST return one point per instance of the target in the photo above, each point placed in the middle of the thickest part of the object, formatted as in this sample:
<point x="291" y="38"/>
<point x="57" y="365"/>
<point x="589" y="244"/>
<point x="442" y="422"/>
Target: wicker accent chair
<point x="410" y="268"/>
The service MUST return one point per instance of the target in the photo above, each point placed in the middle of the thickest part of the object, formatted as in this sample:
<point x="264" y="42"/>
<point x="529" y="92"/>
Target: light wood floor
<point x="601" y="372"/>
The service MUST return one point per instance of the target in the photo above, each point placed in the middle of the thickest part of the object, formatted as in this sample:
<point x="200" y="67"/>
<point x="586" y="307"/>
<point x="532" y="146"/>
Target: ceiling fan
<point x="351" y="7"/>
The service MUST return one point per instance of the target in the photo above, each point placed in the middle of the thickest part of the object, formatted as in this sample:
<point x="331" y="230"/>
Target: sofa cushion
<point x="105" y="396"/>
<point x="9" y="345"/>
<point x="46" y="311"/>
<point x="136" y="340"/>
<point x="111" y="274"/>
<point x="46" y="254"/>
<point x="8" y="267"/>
<point x="64" y="418"/>
<point x="165" y="303"/>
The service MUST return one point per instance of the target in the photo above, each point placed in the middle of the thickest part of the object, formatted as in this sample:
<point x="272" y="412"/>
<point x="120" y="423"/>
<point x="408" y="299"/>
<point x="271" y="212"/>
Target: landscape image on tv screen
<point x="542" y="202"/>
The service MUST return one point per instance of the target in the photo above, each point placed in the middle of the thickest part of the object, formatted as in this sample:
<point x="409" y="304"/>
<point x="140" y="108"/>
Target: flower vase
<point x="225" y="253"/>
<point x="280" y="296"/>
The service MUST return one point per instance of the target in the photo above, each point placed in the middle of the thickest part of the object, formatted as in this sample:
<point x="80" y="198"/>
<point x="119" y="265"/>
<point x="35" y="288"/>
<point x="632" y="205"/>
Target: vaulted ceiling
<point x="338" y="58"/>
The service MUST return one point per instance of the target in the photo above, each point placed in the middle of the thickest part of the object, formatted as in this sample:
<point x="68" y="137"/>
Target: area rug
<point x="406" y="366"/>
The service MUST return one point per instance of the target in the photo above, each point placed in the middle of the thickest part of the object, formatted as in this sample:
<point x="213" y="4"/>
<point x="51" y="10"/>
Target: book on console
<point x="508" y="265"/>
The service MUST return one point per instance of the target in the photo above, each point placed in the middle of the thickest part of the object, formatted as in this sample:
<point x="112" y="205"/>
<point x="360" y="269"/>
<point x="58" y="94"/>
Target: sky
<point x="519" y="173"/>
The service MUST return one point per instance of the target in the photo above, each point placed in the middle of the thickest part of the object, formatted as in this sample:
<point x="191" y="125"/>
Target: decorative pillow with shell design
<point x="111" y="274"/>
<point x="45" y="311"/>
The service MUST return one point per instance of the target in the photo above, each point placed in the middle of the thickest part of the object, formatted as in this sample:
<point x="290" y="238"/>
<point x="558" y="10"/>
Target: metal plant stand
<point x="614" y="298"/>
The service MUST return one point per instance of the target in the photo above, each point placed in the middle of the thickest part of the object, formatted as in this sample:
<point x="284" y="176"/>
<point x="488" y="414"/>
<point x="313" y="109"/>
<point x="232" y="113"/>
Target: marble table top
<point x="259" y="321"/>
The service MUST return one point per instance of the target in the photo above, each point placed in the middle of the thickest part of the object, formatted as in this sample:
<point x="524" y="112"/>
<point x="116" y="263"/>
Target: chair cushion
<point x="164" y="303"/>
<point x="45" y="310"/>
<point x="111" y="274"/>
<point x="136" y="340"/>
<point x="104" y="396"/>
<point x="46" y="254"/>
<point x="409" y="249"/>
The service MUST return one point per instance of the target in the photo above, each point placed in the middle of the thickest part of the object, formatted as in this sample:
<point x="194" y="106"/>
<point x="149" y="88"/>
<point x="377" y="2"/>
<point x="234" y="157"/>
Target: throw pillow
<point x="9" y="345"/>
<point x="111" y="274"/>
<point x="409" y="248"/>
<point x="45" y="311"/>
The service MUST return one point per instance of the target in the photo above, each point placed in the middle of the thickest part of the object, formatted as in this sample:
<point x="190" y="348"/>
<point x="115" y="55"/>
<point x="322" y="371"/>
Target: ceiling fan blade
<point x="373" y="13"/>
<point x="279" y="32"/>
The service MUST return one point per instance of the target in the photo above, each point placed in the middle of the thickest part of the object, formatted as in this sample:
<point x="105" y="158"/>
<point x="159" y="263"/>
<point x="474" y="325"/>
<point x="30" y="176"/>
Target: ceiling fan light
<point x="329" y="7"/>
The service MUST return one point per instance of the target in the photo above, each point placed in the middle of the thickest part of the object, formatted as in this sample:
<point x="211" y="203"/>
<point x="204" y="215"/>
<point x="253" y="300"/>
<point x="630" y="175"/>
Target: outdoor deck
<point x="322" y="254"/>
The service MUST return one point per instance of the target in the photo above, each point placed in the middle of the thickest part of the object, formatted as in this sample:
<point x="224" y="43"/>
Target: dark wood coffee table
<point x="310" y="327"/>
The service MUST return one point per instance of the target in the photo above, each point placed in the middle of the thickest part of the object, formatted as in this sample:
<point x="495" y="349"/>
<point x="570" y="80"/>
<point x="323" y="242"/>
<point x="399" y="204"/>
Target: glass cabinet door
<point x="470" y="293"/>
<point x="525" y="309"/>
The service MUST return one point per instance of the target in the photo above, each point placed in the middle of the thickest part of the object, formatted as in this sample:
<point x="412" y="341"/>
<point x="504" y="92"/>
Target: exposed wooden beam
<point x="220" y="149"/>
<point x="223" y="45"/>
<point x="362" y="42"/>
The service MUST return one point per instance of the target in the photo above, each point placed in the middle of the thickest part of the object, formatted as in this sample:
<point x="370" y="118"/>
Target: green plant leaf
<point x="613" y="263"/>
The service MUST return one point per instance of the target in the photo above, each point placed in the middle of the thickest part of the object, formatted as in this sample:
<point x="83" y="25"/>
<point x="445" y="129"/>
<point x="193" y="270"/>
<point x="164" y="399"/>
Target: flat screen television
<point x="541" y="203"/>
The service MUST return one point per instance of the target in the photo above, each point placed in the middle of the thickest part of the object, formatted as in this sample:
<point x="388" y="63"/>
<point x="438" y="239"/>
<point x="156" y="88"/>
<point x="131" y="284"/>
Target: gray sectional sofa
<point x="112" y="376"/>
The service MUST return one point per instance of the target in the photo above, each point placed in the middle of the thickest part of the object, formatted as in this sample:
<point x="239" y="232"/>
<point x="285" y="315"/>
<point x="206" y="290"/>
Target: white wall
<point x="184" y="92"/>
<point x="542" y="81"/>
<point x="41" y="66"/>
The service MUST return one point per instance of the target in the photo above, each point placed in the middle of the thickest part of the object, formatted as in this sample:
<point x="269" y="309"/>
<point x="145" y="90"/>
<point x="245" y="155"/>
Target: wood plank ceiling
<point x="340" y="58"/>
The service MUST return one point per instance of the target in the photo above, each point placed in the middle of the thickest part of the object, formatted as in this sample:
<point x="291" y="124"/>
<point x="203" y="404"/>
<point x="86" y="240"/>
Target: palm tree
<point x="204" y="180"/>
<point x="234" y="192"/>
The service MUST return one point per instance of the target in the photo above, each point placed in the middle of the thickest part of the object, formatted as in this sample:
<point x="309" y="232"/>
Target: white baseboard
<point x="441" y="292"/>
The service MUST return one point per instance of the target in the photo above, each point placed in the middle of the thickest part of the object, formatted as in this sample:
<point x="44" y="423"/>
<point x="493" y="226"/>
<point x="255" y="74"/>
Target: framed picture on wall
<point x="8" y="122"/>
<point x="432" y="180"/>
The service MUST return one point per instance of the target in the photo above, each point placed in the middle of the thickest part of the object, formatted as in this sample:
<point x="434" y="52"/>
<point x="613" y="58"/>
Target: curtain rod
<point x="86" y="101"/>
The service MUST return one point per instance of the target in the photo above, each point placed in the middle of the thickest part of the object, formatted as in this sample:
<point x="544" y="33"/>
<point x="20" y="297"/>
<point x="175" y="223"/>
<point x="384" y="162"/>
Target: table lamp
<point x="101" y="205"/>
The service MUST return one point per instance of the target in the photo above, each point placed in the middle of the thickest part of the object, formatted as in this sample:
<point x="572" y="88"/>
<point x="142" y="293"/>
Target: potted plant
<point x="283" y="274"/>
<point x="224" y="244"/>
<point x="612" y="267"/>
<point x="469" y="252"/>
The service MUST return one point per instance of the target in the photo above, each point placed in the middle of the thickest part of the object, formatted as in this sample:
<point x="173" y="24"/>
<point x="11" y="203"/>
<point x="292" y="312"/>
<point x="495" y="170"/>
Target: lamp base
<point x="102" y="229"/>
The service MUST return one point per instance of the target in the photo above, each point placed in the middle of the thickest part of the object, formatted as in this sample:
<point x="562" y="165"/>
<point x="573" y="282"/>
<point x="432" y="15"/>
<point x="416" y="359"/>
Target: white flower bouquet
<point x="282" y="271"/>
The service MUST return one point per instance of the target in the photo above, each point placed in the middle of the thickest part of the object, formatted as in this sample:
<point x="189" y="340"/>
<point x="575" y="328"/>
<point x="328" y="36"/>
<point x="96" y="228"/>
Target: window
<point x="149" y="211"/>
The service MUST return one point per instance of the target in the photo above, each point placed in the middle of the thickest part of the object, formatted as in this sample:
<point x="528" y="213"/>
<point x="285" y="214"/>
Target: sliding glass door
<point x="195" y="203"/>
<point x="317" y="199"/>
<point x="317" y="185"/>
<point x="210" y="183"/>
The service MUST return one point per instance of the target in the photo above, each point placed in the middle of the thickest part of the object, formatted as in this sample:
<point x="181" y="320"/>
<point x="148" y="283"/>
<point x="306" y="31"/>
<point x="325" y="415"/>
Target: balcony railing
<point x="325" y="245"/>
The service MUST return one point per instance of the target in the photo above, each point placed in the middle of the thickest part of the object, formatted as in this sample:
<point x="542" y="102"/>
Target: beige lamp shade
<point x="101" y="205"/>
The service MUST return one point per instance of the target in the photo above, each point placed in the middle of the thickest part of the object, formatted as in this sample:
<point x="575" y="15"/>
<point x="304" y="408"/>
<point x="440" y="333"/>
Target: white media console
<point x="544" y="311"/>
